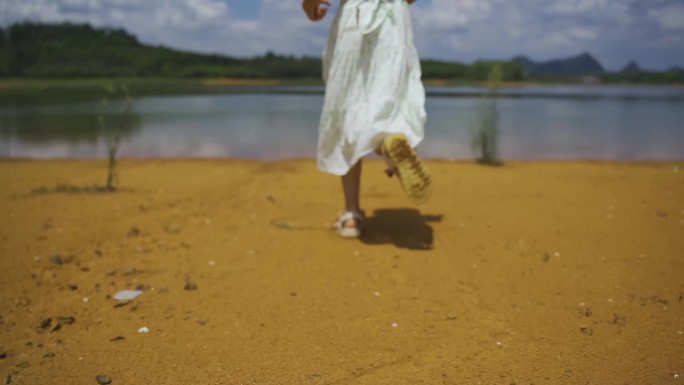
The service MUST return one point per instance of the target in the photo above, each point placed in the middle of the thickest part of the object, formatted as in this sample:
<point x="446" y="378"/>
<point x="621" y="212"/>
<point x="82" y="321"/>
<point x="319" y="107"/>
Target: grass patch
<point x="69" y="189"/>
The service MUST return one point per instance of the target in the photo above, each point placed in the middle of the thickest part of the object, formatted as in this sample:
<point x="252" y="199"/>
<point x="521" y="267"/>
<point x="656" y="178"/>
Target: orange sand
<point x="534" y="273"/>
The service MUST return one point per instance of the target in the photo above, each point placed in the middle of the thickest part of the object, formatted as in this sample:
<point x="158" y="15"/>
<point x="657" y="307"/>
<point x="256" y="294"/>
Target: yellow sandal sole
<point x="414" y="177"/>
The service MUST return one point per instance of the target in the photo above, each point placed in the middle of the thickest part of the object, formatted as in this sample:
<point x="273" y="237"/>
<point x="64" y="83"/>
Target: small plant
<point x="68" y="189"/>
<point x="113" y="134"/>
<point x="485" y="136"/>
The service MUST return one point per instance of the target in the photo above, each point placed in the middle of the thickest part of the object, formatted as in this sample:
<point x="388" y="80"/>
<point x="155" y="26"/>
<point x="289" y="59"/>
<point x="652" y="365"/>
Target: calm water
<point x="580" y="122"/>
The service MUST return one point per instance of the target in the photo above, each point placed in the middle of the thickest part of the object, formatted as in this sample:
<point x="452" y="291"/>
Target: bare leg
<point x="351" y="184"/>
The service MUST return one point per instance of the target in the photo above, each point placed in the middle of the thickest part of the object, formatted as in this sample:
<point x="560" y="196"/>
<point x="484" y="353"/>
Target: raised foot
<point x="414" y="177"/>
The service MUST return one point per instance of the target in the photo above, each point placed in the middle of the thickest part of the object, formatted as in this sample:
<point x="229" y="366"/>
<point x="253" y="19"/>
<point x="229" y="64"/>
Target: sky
<point x="650" y="32"/>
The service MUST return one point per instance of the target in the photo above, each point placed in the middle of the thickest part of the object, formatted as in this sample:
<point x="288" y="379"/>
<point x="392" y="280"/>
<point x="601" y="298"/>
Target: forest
<point x="66" y="50"/>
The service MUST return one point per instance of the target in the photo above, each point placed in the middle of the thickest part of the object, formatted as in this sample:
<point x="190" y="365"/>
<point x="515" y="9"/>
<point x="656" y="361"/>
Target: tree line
<point x="66" y="50"/>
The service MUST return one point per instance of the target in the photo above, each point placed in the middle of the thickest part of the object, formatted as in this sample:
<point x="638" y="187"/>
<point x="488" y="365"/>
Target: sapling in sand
<point x="113" y="134"/>
<point x="486" y="134"/>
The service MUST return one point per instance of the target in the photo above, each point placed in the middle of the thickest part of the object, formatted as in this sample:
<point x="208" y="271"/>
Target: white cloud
<point x="445" y="15"/>
<point x="577" y="7"/>
<point x="583" y="33"/>
<point x="614" y="30"/>
<point x="162" y="14"/>
<point x="670" y="17"/>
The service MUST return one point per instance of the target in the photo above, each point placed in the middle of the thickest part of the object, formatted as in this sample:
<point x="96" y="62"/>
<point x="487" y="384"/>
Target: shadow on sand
<point x="405" y="228"/>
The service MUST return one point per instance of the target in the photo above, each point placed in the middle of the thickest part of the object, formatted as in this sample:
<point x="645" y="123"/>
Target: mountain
<point x="79" y="50"/>
<point x="583" y="64"/>
<point x="65" y="50"/>
<point x="529" y="65"/>
<point x="631" y="68"/>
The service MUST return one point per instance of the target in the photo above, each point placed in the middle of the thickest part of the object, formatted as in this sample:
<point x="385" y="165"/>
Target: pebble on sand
<point x="190" y="286"/>
<point x="125" y="295"/>
<point x="103" y="380"/>
<point x="57" y="259"/>
<point x="67" y="320"/>
<point x="44" y="324"/>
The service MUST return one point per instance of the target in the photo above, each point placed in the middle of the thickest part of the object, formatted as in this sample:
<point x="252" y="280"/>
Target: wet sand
<point x="534" y="273"/>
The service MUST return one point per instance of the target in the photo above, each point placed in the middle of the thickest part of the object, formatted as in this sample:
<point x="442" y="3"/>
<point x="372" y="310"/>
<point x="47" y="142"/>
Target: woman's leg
<point x="351" y="185"/>
<point x="349" y="224"/>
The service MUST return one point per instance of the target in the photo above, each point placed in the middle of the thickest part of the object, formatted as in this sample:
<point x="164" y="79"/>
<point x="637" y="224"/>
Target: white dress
<point x="373" y="83"/>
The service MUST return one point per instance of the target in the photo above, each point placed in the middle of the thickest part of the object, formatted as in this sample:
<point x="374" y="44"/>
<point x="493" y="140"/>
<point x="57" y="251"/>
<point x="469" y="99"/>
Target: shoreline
<point x="371" y="158"/>
<point x="64" y="91"/>
<point x="19" y="83"/>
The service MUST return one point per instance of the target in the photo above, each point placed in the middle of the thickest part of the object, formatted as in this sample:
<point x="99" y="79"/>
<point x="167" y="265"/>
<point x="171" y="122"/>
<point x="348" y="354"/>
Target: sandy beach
<point x="533" y="273"/>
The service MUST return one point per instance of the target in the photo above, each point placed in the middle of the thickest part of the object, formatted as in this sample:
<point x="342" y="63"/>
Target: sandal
<point x="403" y="161"/>
<point x="343" y="221"/>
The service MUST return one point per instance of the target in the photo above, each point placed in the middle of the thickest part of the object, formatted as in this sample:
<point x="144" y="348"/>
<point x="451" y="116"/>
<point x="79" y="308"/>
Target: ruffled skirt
<point x="373" y="83"/>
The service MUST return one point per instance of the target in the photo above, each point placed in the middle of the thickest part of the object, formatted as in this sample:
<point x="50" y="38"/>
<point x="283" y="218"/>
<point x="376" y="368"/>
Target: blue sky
<point x="615" y="31"/>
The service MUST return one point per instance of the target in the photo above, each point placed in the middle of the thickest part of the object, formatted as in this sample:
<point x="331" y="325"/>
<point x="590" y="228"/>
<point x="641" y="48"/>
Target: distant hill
<point x="583" y="64"/>
<point x="631" y="68"/>
<point x="529" y="65"/>
<point x="80" y="51"/>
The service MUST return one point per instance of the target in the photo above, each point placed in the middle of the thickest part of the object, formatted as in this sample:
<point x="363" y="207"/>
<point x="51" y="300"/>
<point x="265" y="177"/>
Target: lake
<point x="270" y="123"/>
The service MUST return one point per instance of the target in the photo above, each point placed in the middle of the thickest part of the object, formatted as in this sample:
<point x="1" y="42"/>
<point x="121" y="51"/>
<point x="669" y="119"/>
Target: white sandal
<point x="350" y="232"/>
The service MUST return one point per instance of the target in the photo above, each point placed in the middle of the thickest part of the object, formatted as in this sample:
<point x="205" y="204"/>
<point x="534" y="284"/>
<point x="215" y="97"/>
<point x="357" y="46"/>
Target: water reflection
<point x="553" y="129"/>
<point x="71" y="124"/>
<point x="278" y="126"/>
<point x="62" y="129"/>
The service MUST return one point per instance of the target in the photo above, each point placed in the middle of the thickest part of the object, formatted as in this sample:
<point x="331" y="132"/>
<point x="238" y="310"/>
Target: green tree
<point x="8" y="61"/>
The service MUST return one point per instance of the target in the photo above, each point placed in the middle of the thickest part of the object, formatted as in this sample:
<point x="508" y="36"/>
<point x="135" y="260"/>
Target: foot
<point x="413" y="175"/>
<point x="350" y="224"/>
<point x="391" y="167"/>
